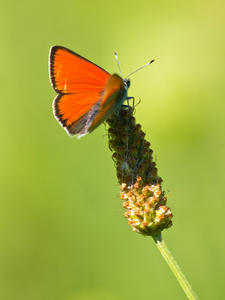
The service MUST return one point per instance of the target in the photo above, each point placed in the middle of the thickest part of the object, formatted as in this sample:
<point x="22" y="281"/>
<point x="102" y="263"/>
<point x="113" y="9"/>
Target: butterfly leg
<point x="130" y="98"/>
<point x="128" y="104"/>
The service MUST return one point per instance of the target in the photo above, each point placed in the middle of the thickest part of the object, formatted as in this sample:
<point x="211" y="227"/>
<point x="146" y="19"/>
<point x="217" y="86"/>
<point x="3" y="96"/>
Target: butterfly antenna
<point x="140" y="68"/>
<point x="118" y="63"/>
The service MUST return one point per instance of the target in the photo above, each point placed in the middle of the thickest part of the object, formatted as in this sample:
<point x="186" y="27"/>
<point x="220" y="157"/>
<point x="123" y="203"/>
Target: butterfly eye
<point x="127" y="83"/>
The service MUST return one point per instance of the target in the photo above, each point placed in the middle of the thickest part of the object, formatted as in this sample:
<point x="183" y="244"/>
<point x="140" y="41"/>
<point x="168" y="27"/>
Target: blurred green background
<point x="62" y="232"/>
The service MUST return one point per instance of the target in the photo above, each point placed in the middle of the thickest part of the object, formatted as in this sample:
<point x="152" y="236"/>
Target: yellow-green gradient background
<point x="62" y="232"/>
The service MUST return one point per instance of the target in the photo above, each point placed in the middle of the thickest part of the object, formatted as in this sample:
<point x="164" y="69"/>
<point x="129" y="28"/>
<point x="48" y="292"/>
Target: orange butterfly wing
<point x="80" y="85"/>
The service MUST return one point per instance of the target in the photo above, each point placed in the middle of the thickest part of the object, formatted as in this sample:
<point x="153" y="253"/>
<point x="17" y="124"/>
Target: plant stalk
<point x="174" y="266"/>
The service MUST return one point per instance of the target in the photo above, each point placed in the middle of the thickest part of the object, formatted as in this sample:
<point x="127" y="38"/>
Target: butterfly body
<point x="87" y="94"/>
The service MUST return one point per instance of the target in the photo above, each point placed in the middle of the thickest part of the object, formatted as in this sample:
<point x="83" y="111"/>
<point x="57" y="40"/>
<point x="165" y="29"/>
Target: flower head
<point x="140" y="186"/>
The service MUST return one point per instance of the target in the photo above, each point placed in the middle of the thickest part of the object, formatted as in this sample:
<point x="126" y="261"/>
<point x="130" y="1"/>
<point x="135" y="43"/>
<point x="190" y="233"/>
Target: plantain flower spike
<point x="140" y="186"/>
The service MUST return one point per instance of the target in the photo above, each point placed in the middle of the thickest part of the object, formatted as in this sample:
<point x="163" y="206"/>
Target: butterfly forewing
<point x="114" y="95"/>
<point x="72" y="73"/>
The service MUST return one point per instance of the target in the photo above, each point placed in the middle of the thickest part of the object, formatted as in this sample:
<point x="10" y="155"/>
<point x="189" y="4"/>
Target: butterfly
<point x="87" y="94"/>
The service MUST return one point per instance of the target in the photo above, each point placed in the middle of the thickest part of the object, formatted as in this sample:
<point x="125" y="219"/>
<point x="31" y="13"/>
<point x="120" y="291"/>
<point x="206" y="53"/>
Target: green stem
<point x="174" y="266"/>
